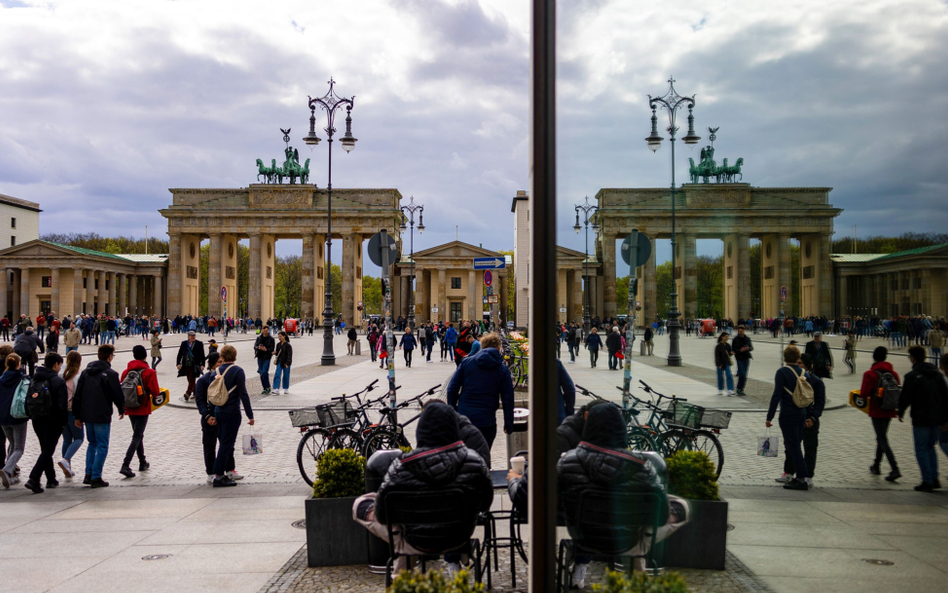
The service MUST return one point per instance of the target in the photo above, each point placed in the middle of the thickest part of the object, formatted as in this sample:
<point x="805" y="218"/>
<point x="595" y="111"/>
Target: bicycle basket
<point x="339" y="412"/>
<point x="715" y="418"/>
<point x="304" y="417"/>
<point x="683" y="414"/>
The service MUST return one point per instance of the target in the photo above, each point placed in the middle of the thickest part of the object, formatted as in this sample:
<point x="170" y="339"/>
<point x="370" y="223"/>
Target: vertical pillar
<point x="650" y="302"/>
<point x="844" y="306"/>
<point x="133" y="294"/>
<point x="578" y="299"/>
<point x="743" y="277"/>
<point x="769" y="281"/>
<point x="308" y="275"/>
<point x="25" y="292"/>
<point x="214" y="308"/>
<point x="110" y="290"/>
<point x="404" y="288"/>
<point x="175" y="275"/>
<point x="562" y="295"/>
<point x="54" y="292"/>
<point x="690" y="276"/>
<point x="229" y="275"/>
<point x="190" y="275"/>
<point x="471" y="295"/>
<point x="253" y="291"/>
<point x="101" y="293"/>
<point x="156" y="295"/>
<point x="267" y="275"/>
<point x="348" y="278"/>
<point x="319" y="278"/>
<point x="4" y="287"/>
<point x="122" y="292"/>
<point x="731" y="273"/>
<point x="423" y="298"/>
<point x="357" y="278"/>
<point x="783" y="274"/>
<point x="442" y="295"/>
<point x="609" y="273"/>
<point x="809" y="275"/>
<point x="825" y="276"/>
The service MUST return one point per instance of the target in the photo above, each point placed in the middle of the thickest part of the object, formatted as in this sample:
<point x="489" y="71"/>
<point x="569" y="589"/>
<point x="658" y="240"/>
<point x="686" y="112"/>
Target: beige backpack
<point x="802" y="393"/>
<point x="217" y="392"/>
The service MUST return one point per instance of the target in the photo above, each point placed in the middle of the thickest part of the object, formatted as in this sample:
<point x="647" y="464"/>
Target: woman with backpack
<point x="284" y="359"/>
<point x="880" y="418"/>
<point x="72" y="434"/>
<point x="49" y="415"/>
<point x="138" y="377"/>
<point x="792" y="417"/>
<point x="14" y="429"/>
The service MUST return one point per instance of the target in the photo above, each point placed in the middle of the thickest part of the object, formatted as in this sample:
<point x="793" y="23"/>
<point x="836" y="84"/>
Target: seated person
<point x="439" y="461"/>
<point x="472" y="437"/>
<point x="603" y="461"/>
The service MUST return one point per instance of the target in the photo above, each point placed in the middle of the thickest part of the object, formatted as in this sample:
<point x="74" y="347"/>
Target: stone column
<point x="783" y="273"/>
<point x="825" y="276"/>
<point x="17" y="303"/>
<point x="174" y="275"/>
<point x="100" y="291"/>
<point x="423" y="296"/>
<point x="442" y="295"/>
<point x="810" y="275"/>
<point x="743" y="277"/>
<point x="110" y="288"/>
<point x="348" y="278"/>
<point x="769" y="282"/>
<point x="689" y="269"/>
<point x="4" y="288"/>
<point x="156" y="294"/>
<point x="609" y="273"/>
<point x="471" y="294"/>
<point x="253" y="291"/>
<point x="730" y="277"/>
<point x="650" y="284"/>
<point x="25" y="292"/>
<point x="844" y="304"/>
<point x="133" y="294"/>
<point x="578" y="298"/>
<point x="122" y="292"/>
<point x="309" y="273"/>
<point x="214" y="276"/>
<point x="54" y="303"/>
<point x="319" y="279"/>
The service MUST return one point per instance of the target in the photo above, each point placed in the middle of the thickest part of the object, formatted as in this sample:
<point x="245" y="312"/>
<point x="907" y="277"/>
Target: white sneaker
<point x="67" y="468"/>
<point x="279" y="392"/>
<point x="14" y="480"/>
<point x="731" y="392"/>
<point x="579" y="576"/>
<point x="210" y="479"/>
<point x="452" y="568"/>
<point x="809" y="482"/>
<point x="234" y="476"/>
<point x="720" y="393"/>
<point x="5" y="478"/>
<point x="784" y="478"/>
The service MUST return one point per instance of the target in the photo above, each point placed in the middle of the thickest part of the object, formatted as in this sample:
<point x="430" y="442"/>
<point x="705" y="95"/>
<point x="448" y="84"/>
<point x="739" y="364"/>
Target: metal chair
<point x="604" y="523"/>
<point x="452" y="509"/>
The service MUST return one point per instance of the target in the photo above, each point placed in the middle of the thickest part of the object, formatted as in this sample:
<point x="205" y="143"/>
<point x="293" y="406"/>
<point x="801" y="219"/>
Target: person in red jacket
<point x="139" y="416"/>
<point x="880" y="418"/>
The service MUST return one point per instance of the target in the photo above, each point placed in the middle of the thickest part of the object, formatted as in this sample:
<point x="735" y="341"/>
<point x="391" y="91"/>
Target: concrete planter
<point x="332" y="537"/>
<point x="703" y="541"/>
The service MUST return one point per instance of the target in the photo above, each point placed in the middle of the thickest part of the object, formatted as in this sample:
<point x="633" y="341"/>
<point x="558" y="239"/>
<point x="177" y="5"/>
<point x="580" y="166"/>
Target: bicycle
<point x="638" y="438"/>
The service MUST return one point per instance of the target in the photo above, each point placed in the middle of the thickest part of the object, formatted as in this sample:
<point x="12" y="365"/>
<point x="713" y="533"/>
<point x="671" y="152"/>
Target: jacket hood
<point x="137" y="364"/>
<point x="883" y="365"/>
<point x="10" y="378"/>
<point x="488" y="358"/>
<point x="43" y="374"/>
<point x="605" y="428"/>
<point x="97" y="366"/>
<point x="438" y="426"/>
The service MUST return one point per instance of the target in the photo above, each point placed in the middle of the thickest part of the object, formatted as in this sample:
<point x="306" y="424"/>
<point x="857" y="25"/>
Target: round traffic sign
<point x="375" y="249"/>
<point x="488" y="278"/>
<point x="644" y="249"/>
<point x="224" y="293"/>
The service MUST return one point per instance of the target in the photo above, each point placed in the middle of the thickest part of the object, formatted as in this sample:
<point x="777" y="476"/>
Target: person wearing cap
<point x="139" y="416"/>
<point x="190" y="361"/>
<point x="211" y="345"/>
<point x="822" y="359"/>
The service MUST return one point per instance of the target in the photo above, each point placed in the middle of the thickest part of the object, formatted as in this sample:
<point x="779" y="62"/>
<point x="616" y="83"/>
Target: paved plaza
<point x="242" y="539"/>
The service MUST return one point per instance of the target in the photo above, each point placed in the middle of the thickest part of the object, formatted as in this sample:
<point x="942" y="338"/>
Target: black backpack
<point x="39" y="400"/>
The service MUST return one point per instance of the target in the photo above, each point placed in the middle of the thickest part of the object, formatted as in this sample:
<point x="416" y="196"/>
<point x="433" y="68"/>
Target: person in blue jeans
<point x="284" y="359"/>
<point x="742" y="348"/>
<point x="926" y="392"/>
<point x="792" y="419"/>
<point x="722" y="362"/>
<point x="72" y="434"/>
<point x="227" y="417"/>
<point x="408" y="346"/>
<point x="97" y="392"/>
<point x="263" y="348"/>
<point x="451" y="339"/>
<point x="593" y="344"/>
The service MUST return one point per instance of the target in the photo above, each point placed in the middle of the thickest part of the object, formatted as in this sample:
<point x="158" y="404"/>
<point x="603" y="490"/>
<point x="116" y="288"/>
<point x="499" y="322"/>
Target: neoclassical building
<point x="40" y="277"/>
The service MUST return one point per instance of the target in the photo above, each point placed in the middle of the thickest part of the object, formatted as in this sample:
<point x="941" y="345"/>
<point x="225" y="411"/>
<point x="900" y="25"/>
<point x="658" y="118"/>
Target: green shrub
<point x="341" y="474"/>
<point x="432" y="582"/>
<point x="670" y="582"/>
<point x="691" y="475"/>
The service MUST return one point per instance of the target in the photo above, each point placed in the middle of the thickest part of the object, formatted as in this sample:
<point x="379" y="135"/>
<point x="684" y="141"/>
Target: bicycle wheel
<point x="310" y="449"/>
<point x="383" y="439"/>
<point x="672" y="441"/>
<point x="706" y="442"/>
<point x="345" y="438"/>
<point x="640" y="439"/>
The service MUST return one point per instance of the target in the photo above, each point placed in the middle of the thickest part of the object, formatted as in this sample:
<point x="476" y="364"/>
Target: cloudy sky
<point x="105" y="104"/>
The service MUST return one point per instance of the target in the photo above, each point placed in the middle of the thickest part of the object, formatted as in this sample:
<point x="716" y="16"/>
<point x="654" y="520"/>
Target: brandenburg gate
<point x="264" y="214"/>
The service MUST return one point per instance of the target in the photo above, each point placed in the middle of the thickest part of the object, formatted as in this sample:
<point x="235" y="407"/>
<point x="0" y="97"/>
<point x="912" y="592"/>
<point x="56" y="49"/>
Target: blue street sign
<point x="489" y="263"/>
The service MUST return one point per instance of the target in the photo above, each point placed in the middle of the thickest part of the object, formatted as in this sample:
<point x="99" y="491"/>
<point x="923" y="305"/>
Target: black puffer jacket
<point x="57" y="388"/>
<point x="473" y="438"/>
<point x="97" y="391"/>
<point x="440" y="461"/>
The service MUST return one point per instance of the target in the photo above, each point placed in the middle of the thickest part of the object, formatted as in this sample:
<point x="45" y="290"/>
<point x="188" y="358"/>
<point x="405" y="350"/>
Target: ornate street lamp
<point x="671" y="101"/>
<point x="589" y="213"/>
<point x="329" y="103"/>
<point x="409" y="212"/>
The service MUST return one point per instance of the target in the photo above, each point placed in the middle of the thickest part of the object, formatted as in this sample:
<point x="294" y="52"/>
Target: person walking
<point x="48" y="419"/>
<point x="97" y="392"/>
<point x="429" y="337"/>
<point x="25" y="347"/>
<point x="138" y="374"/>
<point x="571" y="340"/>
<point x="822" y="359"/>
<point x="407" y="344"/>
<point x="71" y="338"/>
<point x="227" y="417"/>
<point x="648" y="338"/>
<point x="742" y="348"/>
<point x="811" y="426"/>
<point x="593" y="344"/>
<point x="372" y="337"/>
<point x="722" y="362"/>
<point x="350" y="344"/>
<point x="451" y="339"/>
<point x="210" y="431"/>
<point x="613" y="345"/>
<point x="14" y="429"/>
<point x="480" y="385"/>
<point x="926" y="392"/>
<point x="850" y="346"/>
<point x="155" y="349"/>
<point x="190" y="361"/>
<point x="284" y="360"/>
<point x="72" y="434"/>
<point x="936" y="341"/>
<point x="880" y="418"/>
<point x="792" y="418"/>
<point x="263" y="348"/>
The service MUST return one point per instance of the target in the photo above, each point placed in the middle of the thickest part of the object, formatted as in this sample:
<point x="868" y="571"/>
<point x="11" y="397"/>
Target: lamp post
<point x="671" y="101"/>
<point x="409" y="212"/>
<point x="329" y="103"/>
<point x="589" y="212"/>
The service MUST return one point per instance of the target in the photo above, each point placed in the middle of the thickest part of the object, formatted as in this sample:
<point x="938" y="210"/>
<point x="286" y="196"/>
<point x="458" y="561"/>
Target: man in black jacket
<point x="742" y="348"/>
<point x="48" y="427"/>
<point x="822" y="359"/>
<point x="97" y="391"/>
<point x="190" y="361"/>
<point x="924" y="390"/>
<point x="26" y="345"/>
<point x="439" y="461"/>
<point x="263" y="348"/>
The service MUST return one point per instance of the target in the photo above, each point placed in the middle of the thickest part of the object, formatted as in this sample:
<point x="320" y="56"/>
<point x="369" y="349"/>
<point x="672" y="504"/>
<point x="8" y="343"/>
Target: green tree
<point x="372" y="295"/>
<point x="663" y="281"/>
<point x="288" y="286"/>
<point x="97" y="242"/>
<point x="710" y="285"/>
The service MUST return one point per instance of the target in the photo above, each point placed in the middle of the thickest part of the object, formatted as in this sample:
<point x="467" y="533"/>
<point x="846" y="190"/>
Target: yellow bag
<point x="859" y="402"/>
